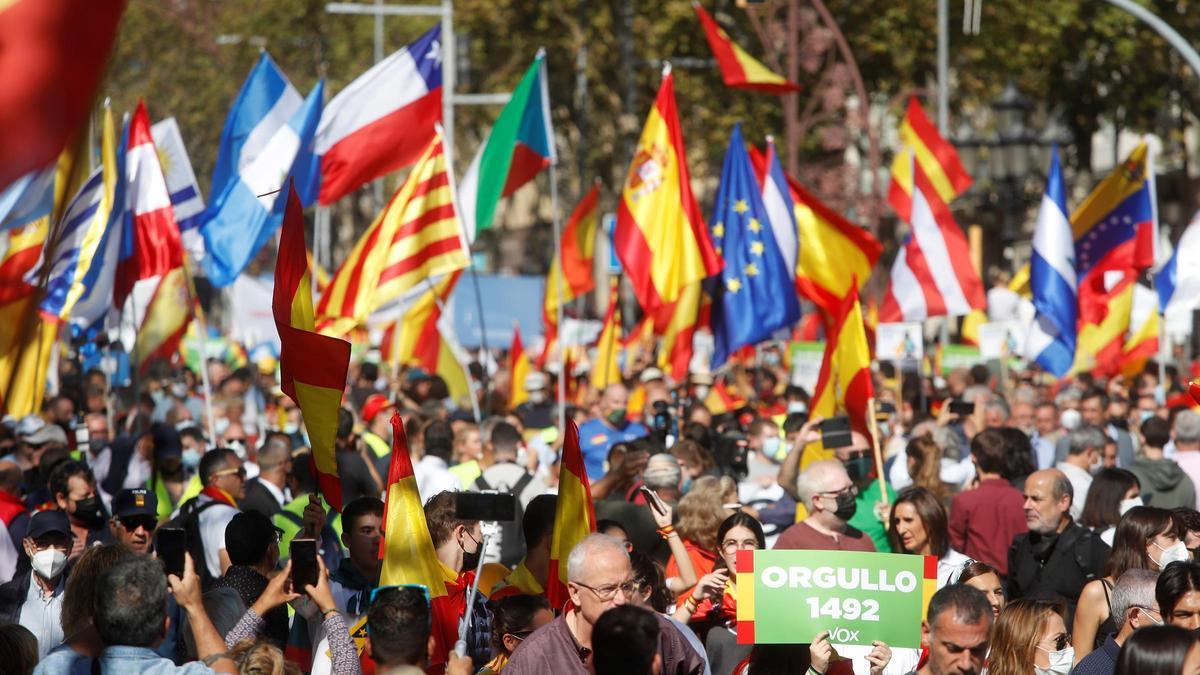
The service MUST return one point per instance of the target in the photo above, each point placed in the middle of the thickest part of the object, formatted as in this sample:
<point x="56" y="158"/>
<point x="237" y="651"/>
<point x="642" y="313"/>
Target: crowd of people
<point x="1063" y="518"/>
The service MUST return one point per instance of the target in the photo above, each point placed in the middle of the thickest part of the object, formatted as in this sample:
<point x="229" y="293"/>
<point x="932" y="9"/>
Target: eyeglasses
<point x="240" y="472"/>
<point x="734" y="545"/>
<point x="407" y="594"/>
<point x="1152" y="609"/>
<point x="851" y="489"/>
<point x="607" y="593"/>
<point x="520" y="636"/>
<point x="132" y="524"/>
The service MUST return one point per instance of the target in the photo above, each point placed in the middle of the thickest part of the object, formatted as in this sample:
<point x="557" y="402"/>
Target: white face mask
<point x="1060" y="662"/>
<point x="1127" y="504"/>
<point x="1176" y="552"/>
<point x="49" y="563"/>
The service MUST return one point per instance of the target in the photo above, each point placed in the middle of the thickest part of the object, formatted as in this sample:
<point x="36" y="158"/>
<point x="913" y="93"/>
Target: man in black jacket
<point x="1057" y="557"/>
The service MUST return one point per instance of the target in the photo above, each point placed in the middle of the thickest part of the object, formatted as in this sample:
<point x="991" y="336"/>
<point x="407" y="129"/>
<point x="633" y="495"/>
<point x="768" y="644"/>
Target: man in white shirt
<point x="1084" y="448"/>
<point x="433" y="471"/>
<point x="224" y="480"/>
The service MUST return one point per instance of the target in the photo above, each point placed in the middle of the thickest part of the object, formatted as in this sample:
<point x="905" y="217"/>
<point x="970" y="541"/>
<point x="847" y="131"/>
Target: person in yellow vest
<point x="176" y="456"/>
<point x="377" y="415"/>
<point x="468" y="452"/>
<point x="307" y="515"/>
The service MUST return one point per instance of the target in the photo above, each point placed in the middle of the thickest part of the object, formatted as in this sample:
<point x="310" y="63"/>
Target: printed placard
<point x="787" y="597"/>
<point x="1000" y="340"/>
<point x="899" y="342"/>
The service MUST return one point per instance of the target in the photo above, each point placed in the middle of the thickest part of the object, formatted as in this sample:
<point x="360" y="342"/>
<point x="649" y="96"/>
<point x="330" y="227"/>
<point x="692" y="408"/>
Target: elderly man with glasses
<point x="827" y="492"/>
<point x="599" y="578"/>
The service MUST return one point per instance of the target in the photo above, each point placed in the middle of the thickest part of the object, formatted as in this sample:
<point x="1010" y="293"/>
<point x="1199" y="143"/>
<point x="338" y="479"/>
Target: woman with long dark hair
<point x="918" y="525"/>
<point x="1112" y="494"/>
<point x="1147" y="539"/>
<point x="985" y="579"/>
<point x="1159" y="650"/>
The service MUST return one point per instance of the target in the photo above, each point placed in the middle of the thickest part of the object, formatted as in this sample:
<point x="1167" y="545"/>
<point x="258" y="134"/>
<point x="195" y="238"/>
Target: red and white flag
<point x="932" y="274"/>
<point x="383" y="120"/>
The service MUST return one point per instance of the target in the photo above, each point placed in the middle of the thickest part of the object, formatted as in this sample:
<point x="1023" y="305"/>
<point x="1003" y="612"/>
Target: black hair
<point x="606" y="524"/>
<point x="1019" y="461"/>
<point x="18" y="649"/>
<point x="625" y="641"/>
<point x="505" y="438"/>
<point x="1175" y="581"/>
<point x="968" y="604"/>
<point x="213" y="461"/>
<point x="399" y="623"/>
<point x="368" y="371"/>
<point x="194" y="433"/>
<point x="131" y="603"/>
<point x="990" y="449"/>
<point x="780" y="659"/>
<point x="61" y="476"/>
<point x="538" y="521"/>
<point x="1154" y="650"/>
<point x="648" y="574"/>
<point x="303" y="472"/>
<point x="699" y="433"/>
<point x="739" y="519"/>
<point x="1156" y="431"/>
<point x="439" y="439"/>
<point x="345" y="424"/>
<point x="1102" y="506"/>
<point x="513" y="615"/>
<point x="357" y="509"/>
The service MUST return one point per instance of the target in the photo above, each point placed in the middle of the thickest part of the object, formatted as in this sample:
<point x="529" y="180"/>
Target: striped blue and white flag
<point x="268" y="137"/>
<point x="28" y="198"/>
<point x="181" y="183"/>
<point x="1051" y="341"/>
<point x="1178" y="282"/>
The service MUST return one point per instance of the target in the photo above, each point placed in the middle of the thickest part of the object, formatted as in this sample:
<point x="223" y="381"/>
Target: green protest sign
<point x="787" y="597"/>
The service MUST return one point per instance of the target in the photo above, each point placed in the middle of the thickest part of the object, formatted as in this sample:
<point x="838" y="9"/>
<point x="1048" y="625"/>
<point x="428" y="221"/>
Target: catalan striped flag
<point x="574" y="516"/>
<point x="660" y="235"/>
<point x="739" y="69"/>
<point x="574" y="265"/>
<point x="844" y="384"/>
<point x="934" y="155"/>
<point x="312" y="367"/>
<point x="417" y="236"/>
<point x="518" y="368"/>
<point x="407" y="549"/>
<point x="606" y="367"/>
<point x="417" y="339"/>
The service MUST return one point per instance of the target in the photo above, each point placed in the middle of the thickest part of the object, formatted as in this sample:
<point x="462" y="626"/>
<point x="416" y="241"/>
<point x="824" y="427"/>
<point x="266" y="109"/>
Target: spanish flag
<point x="1144" y="326"/>
<point x="660" y="236"/>
<point x="936" y="156"/>
<point x="415" y="339"/>
<point x="739" y="69"/>
<point x="574" y="265"/>
<point x="677" y="324"/>
<point x="518" y="368"/>
<point x="574" y="517"/>
<point x="312" y="366"/>
<point x="407" y="550"/>
<point x="606" y="367"/>
<point x="844" y="384"/>
<point x="1100" y="342"/>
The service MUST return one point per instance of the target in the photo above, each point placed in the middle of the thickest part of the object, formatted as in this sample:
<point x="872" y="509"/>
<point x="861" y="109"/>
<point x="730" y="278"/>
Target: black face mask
<point x="90" y="511"/>
<point x="859" y="466"/>
<point x="846" y="506"/>
<point x="95" y="445"/>
<point x="471" y="559"/>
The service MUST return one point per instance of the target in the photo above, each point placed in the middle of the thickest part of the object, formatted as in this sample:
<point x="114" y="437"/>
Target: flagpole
<point x="558" y="296"/>
<point x="873" y="426"/>
<point x="204" y="381"/>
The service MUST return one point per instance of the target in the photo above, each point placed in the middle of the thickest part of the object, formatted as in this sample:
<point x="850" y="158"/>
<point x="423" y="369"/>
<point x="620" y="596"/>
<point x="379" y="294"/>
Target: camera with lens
<point x="730" y="453"/>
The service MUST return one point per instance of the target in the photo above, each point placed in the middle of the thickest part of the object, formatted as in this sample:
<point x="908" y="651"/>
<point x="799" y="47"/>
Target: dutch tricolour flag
<point x="1051" y="341"/>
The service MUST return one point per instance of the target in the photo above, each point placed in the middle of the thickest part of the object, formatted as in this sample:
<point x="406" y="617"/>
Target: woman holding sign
<point x="918" y="525"/>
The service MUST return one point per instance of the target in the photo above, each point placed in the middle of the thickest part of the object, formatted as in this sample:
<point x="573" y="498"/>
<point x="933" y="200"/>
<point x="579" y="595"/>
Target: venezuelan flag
<point x="312" y="366"/>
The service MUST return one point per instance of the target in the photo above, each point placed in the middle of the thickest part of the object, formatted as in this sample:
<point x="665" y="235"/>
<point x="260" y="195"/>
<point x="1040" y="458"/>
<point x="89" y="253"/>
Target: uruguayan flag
<point x="93" y="311"/>
<point x="268" y="136"/>
<point x="28" y="198"/>
<point x="1051" y="341"/>
<point x="181" y="183"/>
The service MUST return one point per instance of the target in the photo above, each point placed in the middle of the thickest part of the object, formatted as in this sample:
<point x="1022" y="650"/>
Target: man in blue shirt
<point x="1133" y="605"/>
<point x="597" y="435"/>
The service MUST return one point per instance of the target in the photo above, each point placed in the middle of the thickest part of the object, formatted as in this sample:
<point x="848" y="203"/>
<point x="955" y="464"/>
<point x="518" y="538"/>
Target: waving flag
<point x="150" y="286"/>
<point x="932" y="274"/>
<point x="383" y="120"/>
<point x="660" y="235"/>
<point x="574" y="516"/>
<point x="1051" y="341"/>
<point x="518" y="368"/>
<point x="416" y="236"/>
<point x="932" y="154"/>
<point x="574" y="265"/>
<point x="1100" y="340"/>
<point x="95" y="309"/>
<point x="312" y="367"/>
<point x="606" y="367"/>
<point x="519" y="146"/>
<point x="678" y="323"/>
<point x="739" y="69"/>
<point x="28" y="198"/>
<point x="754" y="296"/>
<point x="54" y="57"/>
<point x="1178" y="282"/>
<point x="181" y="182"/>
<point x="1145" y="324"/>
<point x="844" y="383"/>
<point x="421" y="338"/>
<point x="778" y="204"/>
<point x="268" y="136"/>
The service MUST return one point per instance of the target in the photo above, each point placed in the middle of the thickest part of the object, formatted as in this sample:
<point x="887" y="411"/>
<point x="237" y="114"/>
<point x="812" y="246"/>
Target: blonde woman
<point x="699" y="514"/>
<point x="1031" y="636"/>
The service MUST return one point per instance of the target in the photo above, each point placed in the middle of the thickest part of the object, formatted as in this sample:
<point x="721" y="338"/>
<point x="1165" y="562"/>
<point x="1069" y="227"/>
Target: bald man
<point x="1057" y="557"/>
<point x="827" y="492"/>
<point x="599" y="434"/>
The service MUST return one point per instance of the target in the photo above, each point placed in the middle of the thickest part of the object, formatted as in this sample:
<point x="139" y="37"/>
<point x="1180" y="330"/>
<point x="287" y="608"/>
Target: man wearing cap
<point x="34" y="597"/>
<point x="598" y="435"/>
<point x="252" y="542"/>
<point x="268" y="492"/>
<point x="169" y="480"/>
<point x="34" y="437"/>
<point x="377" y="415"/>
<point x="539" y="412"/>
<point x="134" y="519"/>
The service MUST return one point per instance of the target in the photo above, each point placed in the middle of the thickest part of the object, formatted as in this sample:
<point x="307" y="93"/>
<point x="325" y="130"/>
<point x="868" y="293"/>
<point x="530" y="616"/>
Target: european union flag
<point x="755" y="294"/>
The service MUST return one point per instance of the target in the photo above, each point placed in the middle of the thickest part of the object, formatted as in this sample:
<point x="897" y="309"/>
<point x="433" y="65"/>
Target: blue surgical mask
<point x="771" y="447"/>
<point x="687" y="485"/>
<point x="191" y="458"/>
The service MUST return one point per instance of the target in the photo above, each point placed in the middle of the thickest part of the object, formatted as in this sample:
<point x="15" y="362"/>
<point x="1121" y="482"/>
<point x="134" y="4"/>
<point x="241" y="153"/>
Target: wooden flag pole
<point x="873" y="425"/>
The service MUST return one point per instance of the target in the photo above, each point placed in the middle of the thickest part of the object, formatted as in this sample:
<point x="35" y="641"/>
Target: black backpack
<point x="512" y="535"/>
<point x="188" y="520"/>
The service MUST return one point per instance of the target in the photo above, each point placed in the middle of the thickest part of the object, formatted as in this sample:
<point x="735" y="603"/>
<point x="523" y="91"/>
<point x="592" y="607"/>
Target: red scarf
<point x="219" y="495"/>
<point x="10" y="507"/>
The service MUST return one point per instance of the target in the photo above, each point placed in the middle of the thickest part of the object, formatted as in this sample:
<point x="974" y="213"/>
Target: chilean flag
<point x="383" y="120"/>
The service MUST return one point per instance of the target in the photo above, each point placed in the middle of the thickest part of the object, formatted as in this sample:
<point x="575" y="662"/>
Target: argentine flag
<point x="268" y="137"/>
<point x="1051" y="341"/>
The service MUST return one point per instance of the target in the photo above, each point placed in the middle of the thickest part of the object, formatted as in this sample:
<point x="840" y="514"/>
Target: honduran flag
<point x="1051" y="340"/>
<point x="518" y="147"/>
<point x="780" y="209"/>
<point x="383" y="120"/>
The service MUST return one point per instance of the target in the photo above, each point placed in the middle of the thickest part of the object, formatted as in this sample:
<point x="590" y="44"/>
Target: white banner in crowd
<point x="899" y="342"/>
<point x="250" y="302"/>
<point x="1001" y="339"/>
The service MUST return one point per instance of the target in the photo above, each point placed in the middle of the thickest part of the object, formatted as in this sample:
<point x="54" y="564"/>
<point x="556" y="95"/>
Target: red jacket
<point x="984" y="521"/>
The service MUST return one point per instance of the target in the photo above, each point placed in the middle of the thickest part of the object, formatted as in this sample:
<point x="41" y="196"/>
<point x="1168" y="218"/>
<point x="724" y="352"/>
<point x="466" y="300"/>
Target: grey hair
<point x="809" y="482"/>
<point x="949" y="441"/>
<point x="1062" y="486"/>
<point x="998" y="403"/>
<point x="1085" y="438"/>
<point x="1068" y="396"/>
<point x="1187" y="427"/>
<point x="131" y="603"/>
<point x="1135" y="588"/>
<point x="589" y="546"/>
<point x="967" y="603"/>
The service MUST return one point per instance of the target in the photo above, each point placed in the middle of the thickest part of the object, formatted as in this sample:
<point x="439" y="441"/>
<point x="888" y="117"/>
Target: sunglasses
<point x="133" y="523"/>
<point x="240" y="472"/>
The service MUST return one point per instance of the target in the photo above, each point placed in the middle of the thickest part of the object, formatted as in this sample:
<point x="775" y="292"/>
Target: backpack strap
<point x="521" y="485"/>
<point x="482" y="483"/>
